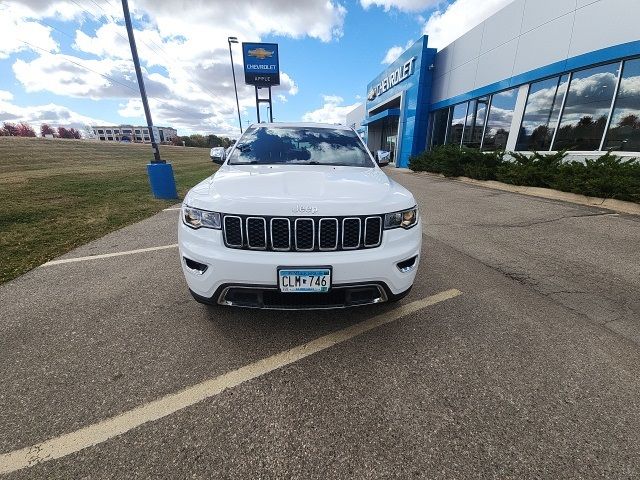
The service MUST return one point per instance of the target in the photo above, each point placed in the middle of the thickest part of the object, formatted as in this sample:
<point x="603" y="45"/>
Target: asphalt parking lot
<point x="515" y="356"/>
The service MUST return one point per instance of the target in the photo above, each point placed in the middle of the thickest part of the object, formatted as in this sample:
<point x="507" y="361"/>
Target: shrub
<point x="537" y="170"/>
<point x="453" y="161"/>
<point x="608" y="176"/>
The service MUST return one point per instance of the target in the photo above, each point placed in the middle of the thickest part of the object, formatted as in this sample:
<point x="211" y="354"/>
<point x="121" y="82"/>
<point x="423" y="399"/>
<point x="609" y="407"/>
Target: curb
<point x="619" y="206"/>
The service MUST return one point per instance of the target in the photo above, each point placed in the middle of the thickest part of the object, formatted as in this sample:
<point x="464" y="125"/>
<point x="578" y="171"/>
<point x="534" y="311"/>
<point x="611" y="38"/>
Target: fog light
<point x="407" y="265"/>
<point x="195" y="267"/>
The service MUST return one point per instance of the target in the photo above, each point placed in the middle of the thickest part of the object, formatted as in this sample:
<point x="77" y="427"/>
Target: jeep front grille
<point x="302" y="234"/>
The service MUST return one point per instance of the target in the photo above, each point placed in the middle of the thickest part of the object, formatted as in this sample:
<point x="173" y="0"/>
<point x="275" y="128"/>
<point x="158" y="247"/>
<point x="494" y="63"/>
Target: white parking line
<point x="107" y="255"/>
<point x="111" y="427"/>
<point x="170" y="209"/>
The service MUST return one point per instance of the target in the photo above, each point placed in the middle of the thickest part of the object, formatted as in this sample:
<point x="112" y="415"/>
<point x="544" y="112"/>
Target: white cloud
<point x="394" y="52"/>
<point x="63" y="75"/>
<point x="16" y="30"/>
<point x="5" y="96"/>
<point x="459" y="17"/>
<point x="194" y="87"/>
<point x="403" y="5"/>
<point x="36" y="115"/>
<point x="331" y="112"/>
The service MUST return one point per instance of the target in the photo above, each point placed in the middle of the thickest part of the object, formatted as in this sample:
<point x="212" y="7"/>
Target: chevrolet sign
<point x="394" y="78"/>
<point x="261" y="64"/>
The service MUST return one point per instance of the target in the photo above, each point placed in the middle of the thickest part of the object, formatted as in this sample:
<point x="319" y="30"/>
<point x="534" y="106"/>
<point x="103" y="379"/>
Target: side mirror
<point x="218" y="155"/>
<point x="383" y="158"/>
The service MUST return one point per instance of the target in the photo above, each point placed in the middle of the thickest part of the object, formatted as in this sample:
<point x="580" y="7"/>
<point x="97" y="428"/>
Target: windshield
<point x="300" y="146"/>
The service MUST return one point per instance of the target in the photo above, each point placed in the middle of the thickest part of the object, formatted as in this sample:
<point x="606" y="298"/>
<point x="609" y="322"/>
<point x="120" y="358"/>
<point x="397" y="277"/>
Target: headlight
<point x="196" y="218"/>
<point x="404" y="219"/>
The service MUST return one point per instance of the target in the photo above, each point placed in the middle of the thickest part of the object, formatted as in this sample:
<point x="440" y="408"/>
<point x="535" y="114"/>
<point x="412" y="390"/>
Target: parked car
<point x="217" y="153"/>
<point x="383" y="157"/>
<point x="299" y="216"/>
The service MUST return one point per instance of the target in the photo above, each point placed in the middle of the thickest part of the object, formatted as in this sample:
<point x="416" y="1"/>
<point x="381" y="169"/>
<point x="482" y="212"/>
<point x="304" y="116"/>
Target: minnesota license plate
<point x="304" y="279"/>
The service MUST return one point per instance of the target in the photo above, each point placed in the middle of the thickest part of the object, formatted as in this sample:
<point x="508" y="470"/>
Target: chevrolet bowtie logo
<point x="260" y="53"/>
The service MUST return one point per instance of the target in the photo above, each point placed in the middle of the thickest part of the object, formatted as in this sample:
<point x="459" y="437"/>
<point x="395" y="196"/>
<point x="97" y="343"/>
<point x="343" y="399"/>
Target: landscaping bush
<point x="537" y="170"/>
<point x="608" y="176"/>
<point x="453" y="161"/>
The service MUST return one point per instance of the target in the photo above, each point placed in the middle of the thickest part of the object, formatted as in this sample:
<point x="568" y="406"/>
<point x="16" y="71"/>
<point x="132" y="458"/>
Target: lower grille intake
<point x="272" y="298"/>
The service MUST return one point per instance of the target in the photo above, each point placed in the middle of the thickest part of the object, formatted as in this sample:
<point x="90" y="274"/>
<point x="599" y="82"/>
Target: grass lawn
<point x="58" y="194"/>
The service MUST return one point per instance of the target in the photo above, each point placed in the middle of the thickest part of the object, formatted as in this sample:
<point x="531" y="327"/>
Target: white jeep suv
<point x="299" y="216"/>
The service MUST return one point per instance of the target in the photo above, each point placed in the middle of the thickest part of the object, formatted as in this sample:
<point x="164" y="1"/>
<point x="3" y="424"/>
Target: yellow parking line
<point x="104" y="430"/>
<point x="107" y="255"/>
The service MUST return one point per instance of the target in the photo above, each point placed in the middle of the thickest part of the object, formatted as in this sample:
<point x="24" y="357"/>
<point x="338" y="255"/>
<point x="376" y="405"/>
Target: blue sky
<point x="68" y="63"/>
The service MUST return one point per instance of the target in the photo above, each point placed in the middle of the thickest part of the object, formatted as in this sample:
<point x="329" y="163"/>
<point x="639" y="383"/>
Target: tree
<point x="9" y="129"/>
<point x="630" y="120"/>
<point x="47" y="130"/>
<point x="25" y="130"/>
<point x="69" y="133"/>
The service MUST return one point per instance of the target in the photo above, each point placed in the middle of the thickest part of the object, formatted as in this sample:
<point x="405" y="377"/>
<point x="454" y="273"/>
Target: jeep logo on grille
<point x="305" y="209"/>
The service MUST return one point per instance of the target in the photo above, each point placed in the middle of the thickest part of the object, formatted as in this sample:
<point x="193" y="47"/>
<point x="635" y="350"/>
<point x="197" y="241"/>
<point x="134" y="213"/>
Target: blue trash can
<point x="163" y="185"/>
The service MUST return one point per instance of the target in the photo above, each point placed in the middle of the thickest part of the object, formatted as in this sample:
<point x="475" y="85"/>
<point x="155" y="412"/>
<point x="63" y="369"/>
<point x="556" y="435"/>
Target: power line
<point x="111" y="79"/>
<point x="203" y="89"/>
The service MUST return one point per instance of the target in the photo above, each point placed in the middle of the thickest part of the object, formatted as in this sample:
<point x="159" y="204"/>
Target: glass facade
<point x="624" y="129"/>
<point x="587" y="108"/>
<point x="456" y="127"/>
<point x="439" y="124"/>
<point x="475" y="122"/>
<point x="592" y="109"/>
<point x="541" y="114"/>
<point x="499" y="120"/>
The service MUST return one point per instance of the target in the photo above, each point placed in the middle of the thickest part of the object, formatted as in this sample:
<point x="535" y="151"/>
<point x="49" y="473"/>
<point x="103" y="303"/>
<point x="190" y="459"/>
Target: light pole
<point x="161" y="179"/>
<point x="231" y="40"/>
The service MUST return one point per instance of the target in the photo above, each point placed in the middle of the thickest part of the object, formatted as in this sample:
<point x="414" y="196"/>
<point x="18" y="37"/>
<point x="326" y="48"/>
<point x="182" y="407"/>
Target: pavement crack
<point x="521" y="224"/>
<point x="551" y="220"/>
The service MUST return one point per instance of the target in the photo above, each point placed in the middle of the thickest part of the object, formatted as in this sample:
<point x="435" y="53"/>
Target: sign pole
<point x="270" y="106"/>
<point x="257" y="104"/>
<point x="160" y="173"/>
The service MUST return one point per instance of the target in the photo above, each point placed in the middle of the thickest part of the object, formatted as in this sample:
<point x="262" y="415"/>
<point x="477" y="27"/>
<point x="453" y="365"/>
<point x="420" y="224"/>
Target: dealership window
<point x="100" y="131"/>
<point x="541" y="113"/>
<point x="499" y="120"/>
<point x="439" y="123"/>
<point x="474" y="125"/>
<point x="456" y="126"/>
<point x="624" y="129"/>
<point x="586" y="109"/>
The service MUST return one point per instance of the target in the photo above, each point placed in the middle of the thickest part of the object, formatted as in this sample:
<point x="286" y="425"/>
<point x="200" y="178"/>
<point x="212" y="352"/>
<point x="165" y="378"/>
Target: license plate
<point x="316" y="280"/>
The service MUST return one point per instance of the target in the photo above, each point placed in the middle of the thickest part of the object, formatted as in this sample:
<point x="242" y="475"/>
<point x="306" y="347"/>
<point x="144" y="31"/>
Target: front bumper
<point x="257" y="270"/>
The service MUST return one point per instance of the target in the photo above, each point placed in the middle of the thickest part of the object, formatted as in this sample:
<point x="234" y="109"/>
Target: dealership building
<point x="539" y="75"/>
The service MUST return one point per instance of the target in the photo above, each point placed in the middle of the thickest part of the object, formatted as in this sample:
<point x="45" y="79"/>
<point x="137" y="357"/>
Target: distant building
<point x="131" y="133"/>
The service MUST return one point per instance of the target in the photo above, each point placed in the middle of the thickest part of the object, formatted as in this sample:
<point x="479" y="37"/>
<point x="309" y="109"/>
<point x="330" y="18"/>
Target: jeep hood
<point x="280" y="189"/>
